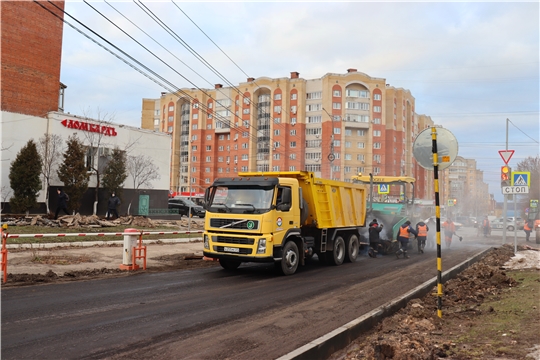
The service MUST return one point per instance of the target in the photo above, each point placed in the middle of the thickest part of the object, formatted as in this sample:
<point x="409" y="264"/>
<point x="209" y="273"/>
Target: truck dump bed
<point x="331" y="203"/>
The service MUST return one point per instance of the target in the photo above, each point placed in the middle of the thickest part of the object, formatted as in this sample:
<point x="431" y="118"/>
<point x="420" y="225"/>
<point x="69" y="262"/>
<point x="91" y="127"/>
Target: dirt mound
<point x="416" y="332"/>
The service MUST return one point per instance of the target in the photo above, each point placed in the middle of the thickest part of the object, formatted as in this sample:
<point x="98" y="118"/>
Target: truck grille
<point x="233" y="240"/>
<point x="236" y="224"/>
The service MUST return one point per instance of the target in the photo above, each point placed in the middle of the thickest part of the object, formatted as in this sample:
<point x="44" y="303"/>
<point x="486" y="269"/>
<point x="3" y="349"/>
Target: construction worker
<point x="374" y="244"/>
<point x="403" y="238"/>
<point x="527" y="228"/>
<point x="422" y="230"/>
<point x="486" y="226"/>
<point x="449" y="231"/>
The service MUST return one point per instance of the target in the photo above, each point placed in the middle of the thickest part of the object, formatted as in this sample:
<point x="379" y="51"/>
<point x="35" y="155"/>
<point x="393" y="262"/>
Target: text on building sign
<point x="84" y="126"/>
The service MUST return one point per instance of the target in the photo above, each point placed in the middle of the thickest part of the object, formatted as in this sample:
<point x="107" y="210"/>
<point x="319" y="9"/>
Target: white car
<point x="498" y="223"/>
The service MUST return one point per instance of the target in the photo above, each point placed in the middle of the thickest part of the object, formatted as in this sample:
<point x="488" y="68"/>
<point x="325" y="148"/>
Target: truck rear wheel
<point x="229" y="264"/>
<point x="290" y="259"/>
<point x="352" y="248"/>
<point x="337" y="256"/>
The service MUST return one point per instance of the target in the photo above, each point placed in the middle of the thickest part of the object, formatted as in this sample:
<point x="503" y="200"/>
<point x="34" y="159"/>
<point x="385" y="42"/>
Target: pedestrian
<point x="449" y="231"/>
<point x="422" y="230"/>
<point x="114" y="201"/>
<point x="403" y="238"/>
<point x="61" y="203"/>
<point x="486" y="226"/>
<point x="528" y="228"/>
<point x="374" y="239"/>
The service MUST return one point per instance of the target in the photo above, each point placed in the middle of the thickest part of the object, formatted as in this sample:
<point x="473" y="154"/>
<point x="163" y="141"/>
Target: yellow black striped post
<point x="438" y="219"/>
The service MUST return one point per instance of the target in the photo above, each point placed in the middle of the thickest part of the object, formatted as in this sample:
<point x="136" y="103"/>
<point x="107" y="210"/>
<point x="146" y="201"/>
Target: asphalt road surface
<point x="251" y="313"/>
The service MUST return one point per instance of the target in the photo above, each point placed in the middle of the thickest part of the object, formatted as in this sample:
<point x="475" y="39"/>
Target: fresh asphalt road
<point x="210" y="313"/>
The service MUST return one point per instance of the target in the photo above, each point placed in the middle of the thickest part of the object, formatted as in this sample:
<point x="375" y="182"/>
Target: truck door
<point x="285" y="214"/>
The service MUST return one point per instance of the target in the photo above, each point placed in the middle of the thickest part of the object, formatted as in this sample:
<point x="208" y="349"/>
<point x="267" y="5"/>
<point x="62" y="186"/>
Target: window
<point x="336" y="105"/>
<point x="314" y="131"/>
<point x="245" y="157"/>
<point x="376" y="170"/>
<point x="377" y="133"/>
<point x="360" y="145"/>
<point x="194" y="137"/>
<point x="377" y="145"/>
<point x="356" y="93"/>
<point x="377" y="158"/>
<point x="195" y="105"/>
<point x="207" y="170"/>
<point x="360" y="157"/>
<point x="313" y="156"/>
<point x="347" y="169"/>
<point x="223" y="102"/>
<point x="210" y="105"/>
<point x="275" y="168"/>
<point x="246" y="101"/>
<point x="276" y="132"/>
<point x="376" y="96"/>
<point x="277" y="120"/>
<point x="347" y="144"/>
<point x="348" y="132"/>
<point x="193" y="158"/>
<point x="294" y="96"/>
<point x="293" y="132"/>
<point x="293" y="109"/>
<point x="292" y="156"/>
<point x="336" y="118"/>
<point x="194" y="127"/>
<point x="276" y="144"/>
<point x="221" y="137"/>
<point x="245" y="134"/>
<point x="348" y="157"/>
<point x="209" y="126"/>
<point x="171" y="118"/>
<point x="245" y="111"/>
<point x="360" y="132"/>
<point x="376" y="120"/>
<point x="208" y="158"/>
<point x="336" y="93"/>
<point x="208" y="137"/>
<point x="169" y="129"/>
<point x="313" y="167"/>
<point x="292" y="168"/>
<point x="313" y="143"/>
<point x="277" y="96"/>
<point x="337" y="130"/>
<point x="356" y="118"/>
<point x="244" y="168"/>
<point x="337" y="143"/>
<point x="277" y="109"/>
<point x="220" y="159"/>
<point x="276" y="156"/>
<point x="356" y="105"/>
<point x="246" y="123"/>
<point x="171" y="108"/>
<point x="293" y="121"/>
<point x="208" y="148"/>
<point x="194" y="148"/>
<point x="313" y="107"/>
<point x="314" y="119"/>
<point x="314" y="95"/>
<point x="377" y="109"/>
<point x="293" y="144"/>
<point x="245" y="146"/>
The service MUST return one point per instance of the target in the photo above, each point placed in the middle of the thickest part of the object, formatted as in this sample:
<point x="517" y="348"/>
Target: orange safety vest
<point x="422" y="230"/>
<point x="526" y="227"/>
<point x="404" y="232"/>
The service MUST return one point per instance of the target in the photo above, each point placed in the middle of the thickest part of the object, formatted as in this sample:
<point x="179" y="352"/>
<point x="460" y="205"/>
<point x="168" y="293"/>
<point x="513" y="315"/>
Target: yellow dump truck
<point x="284" y="218"/>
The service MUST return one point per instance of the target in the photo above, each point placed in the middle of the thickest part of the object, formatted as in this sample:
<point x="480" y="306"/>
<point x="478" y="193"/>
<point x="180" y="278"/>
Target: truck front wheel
<point x="352" y="248"/>
<point x="290" y="259"/>
<point x="229" y="264"/>
<point x="337" y="256"/>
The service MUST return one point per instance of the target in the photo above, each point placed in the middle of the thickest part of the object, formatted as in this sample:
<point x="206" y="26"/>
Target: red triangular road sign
<point x="506" y="155"/>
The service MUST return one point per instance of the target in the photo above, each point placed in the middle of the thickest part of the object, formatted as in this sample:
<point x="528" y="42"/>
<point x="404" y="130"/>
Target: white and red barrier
<point x="138" y="252"/>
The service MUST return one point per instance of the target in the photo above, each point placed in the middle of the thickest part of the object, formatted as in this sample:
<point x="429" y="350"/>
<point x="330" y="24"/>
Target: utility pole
<point x="505" y="195"/>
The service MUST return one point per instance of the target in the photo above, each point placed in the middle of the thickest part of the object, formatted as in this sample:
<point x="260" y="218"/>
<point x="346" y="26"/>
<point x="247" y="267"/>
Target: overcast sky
<point x="470" y="66"/>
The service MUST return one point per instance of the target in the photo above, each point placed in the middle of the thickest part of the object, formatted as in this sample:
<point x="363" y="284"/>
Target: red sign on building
<point x="84" y="126"/>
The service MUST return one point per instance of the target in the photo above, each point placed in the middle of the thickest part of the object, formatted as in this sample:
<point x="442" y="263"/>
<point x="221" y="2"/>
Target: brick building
<point x="337" y="126"/>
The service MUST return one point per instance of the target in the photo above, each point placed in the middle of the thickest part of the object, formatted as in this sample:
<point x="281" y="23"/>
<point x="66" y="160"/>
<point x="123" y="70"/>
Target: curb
<point x="97" y="243"/>
<point x="324" y="346"/>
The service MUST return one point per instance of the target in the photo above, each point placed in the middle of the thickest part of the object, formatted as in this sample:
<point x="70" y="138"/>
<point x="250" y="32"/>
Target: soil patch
<point x="488" y="312"/>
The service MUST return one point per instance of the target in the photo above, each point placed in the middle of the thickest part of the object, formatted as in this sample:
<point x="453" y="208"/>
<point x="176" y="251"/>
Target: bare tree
<point x="98" y="151"/>
<point x="5" y="194"/>
<point x="143" y="171"/>
<point x="50" y="149"/>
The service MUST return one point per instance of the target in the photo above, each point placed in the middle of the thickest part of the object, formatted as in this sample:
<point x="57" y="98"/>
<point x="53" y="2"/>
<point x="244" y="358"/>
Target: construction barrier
<point x="4" y="253"/>
<point x="135" y="252"/>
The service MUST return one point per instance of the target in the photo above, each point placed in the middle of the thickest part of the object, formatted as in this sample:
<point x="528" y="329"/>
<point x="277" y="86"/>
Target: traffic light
<point x="505" y="175"/>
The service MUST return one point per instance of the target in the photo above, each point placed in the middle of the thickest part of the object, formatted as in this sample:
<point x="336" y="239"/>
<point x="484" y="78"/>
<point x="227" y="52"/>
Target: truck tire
<point x="337" y="256"/>
<point x="290" y="259"/>
<point x="353" y="246"/>
<point x="537" y="236"/>
<point x="229" y="264"/>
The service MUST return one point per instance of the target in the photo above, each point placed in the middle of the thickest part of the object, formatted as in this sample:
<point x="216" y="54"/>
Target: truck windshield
<point x="242" y="200"/>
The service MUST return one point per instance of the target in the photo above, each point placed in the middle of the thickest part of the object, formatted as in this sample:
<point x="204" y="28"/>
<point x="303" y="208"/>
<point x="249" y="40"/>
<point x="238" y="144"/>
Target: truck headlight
<point x="261" y="249"/>
<point x="206" y="242"/>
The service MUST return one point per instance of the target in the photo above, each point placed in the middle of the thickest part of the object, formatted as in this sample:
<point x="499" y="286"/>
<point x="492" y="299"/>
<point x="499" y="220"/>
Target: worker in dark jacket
<point x="403" y="238"/>
<point x="113" y="203"/>
<point x="422" y="230"/>
<point x="374" y="239"/>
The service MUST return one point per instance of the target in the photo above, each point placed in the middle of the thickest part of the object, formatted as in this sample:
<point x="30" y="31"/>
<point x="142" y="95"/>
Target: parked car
<point x="498" y="224"/>
<point x="183" y="205"/>
<point x="519" y="221"/>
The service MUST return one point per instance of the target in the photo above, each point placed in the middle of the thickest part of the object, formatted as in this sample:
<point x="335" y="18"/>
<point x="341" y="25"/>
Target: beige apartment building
<point x="464" y="189"/>
<point x="336" y="126"/>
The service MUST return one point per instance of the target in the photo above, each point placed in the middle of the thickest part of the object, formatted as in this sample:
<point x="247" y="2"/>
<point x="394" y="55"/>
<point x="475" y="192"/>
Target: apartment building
<point x="464" y="191"/>
<point x="336" y="126"/>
